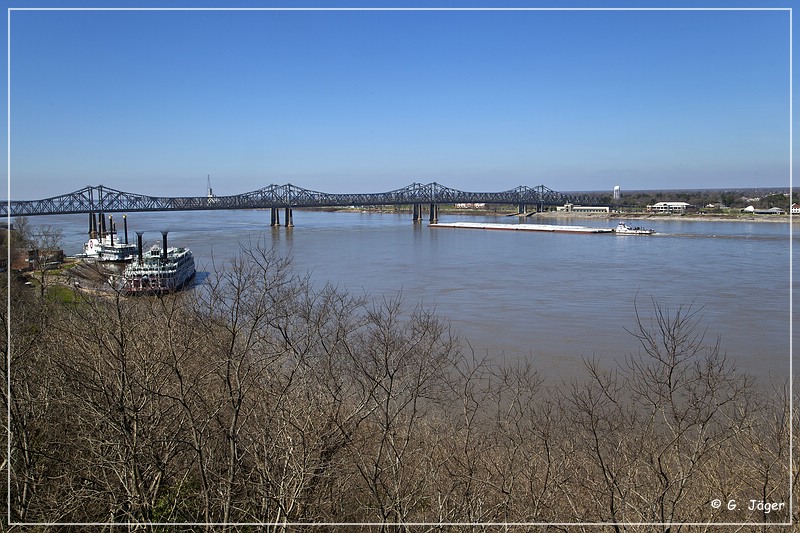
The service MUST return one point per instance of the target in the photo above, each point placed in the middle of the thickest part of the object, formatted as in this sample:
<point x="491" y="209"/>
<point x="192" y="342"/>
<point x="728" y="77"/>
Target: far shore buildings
<point x="770" y="211"/>
<point x="571" y="208"/>
<point x="670" y="207"/>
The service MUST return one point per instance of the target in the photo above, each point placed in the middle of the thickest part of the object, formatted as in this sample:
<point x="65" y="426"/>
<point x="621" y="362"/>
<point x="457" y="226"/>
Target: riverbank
<point x="696" y="217"/>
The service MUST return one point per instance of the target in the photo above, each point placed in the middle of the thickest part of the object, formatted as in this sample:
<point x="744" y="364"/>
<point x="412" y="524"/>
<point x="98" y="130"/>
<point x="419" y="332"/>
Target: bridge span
<point x="100" y="199"/>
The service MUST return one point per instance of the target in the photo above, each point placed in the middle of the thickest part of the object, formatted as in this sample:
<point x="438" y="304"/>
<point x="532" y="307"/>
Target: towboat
<point x="623" y="229"/>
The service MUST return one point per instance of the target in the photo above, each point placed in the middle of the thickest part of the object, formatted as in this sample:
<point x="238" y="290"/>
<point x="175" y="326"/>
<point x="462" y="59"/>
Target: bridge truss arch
<point x="101" y="199"/>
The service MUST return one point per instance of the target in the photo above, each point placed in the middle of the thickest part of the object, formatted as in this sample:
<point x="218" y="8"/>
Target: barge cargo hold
<point x="525" y="227"/>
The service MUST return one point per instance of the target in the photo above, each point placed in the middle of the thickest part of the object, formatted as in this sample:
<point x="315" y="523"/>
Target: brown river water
<point x="556" y="298"/>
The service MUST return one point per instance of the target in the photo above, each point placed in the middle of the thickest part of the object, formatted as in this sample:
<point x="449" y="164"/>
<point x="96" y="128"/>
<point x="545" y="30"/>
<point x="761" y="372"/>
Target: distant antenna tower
<point x="210" y="192"/>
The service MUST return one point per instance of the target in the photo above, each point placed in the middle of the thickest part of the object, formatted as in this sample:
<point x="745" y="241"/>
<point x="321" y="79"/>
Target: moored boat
<point x="161" y="270"/>
<point x="104" y="245"/>
<point x="106" y="250"/>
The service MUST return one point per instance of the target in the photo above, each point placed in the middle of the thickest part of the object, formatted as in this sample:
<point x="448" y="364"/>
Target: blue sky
<point x="367" y="101"/>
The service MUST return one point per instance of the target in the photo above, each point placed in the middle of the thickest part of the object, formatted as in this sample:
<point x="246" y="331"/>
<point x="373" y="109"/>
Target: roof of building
<point x="771" y="210"/>
<point x="672" y="204"/>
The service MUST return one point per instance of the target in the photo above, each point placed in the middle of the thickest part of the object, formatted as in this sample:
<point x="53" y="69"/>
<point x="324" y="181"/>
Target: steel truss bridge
<point x="100" y="199"/>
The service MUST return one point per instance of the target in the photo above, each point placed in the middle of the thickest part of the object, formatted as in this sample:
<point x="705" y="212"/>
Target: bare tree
<point x="261" y="397"/>
<point x="403" y="365"/>
<point x="656" y="426"/>
<point x="125" y="437"/>
<point x="22" y="232"/>
<point x="31" y="400"/>
<point x="45" y="244"/>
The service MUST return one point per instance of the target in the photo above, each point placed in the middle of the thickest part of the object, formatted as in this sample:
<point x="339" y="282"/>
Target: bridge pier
<point x="275" y="217"/>
<point x="433" y="217"/>
<point x="521" y="209"/>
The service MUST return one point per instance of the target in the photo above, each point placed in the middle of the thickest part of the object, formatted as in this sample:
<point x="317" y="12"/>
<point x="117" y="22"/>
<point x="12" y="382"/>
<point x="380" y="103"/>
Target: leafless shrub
<point x="260" y="398"/>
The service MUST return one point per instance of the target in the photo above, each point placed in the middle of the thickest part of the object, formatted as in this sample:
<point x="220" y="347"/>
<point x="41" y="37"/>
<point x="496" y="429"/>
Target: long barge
<point x="525" y="227"/>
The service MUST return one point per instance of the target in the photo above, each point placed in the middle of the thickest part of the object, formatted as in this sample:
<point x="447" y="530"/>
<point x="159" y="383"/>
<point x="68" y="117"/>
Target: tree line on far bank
<point x="259" y="398"/>
<point x="733" y="199"/>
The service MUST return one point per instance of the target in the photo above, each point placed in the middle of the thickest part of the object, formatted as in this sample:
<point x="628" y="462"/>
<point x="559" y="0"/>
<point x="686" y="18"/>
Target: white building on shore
<point x="669" y="207"/>
<point x="770" y="211"/>
<point x="584" y="209"/>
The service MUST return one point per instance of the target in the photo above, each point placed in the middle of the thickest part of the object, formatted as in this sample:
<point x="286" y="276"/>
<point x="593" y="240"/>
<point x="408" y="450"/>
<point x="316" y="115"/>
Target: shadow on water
<point x="199" y="279"/>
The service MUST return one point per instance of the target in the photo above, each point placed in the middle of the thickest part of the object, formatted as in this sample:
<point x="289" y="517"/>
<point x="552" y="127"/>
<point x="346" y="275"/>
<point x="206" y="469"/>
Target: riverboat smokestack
<point x="111" y="228"/>
<point x="102" y="225"/>
<point x="164" y="246"/>
<point x="125" y="225"/>
<point x="139" y="245"/>
<point x="92" y="226"/>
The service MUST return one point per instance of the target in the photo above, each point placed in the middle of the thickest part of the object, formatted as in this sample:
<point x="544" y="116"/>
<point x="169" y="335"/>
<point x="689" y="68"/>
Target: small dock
<point x="553" y="228"/>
